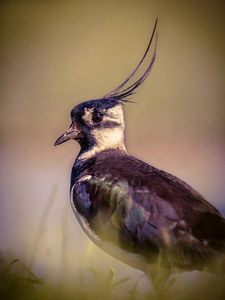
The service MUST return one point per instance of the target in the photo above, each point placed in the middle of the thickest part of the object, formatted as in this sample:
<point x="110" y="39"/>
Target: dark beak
<point x="71" y="133"/>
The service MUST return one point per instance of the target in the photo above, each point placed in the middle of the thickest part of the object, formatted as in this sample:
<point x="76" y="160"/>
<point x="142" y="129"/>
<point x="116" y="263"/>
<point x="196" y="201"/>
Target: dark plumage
<point x="122" y="95"/>
<point x="128" y="208"/>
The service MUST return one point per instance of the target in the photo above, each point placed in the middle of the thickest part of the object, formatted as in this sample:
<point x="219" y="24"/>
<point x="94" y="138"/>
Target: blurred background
<point x="56" y="54"/>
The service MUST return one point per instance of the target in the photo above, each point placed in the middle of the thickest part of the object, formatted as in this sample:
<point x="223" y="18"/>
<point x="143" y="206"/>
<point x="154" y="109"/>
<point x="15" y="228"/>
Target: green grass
<point x="19" y="281"/>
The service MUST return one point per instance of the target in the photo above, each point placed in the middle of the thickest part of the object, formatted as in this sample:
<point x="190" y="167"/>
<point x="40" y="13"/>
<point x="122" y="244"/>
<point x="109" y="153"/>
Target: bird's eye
<point x="97" y="118"/>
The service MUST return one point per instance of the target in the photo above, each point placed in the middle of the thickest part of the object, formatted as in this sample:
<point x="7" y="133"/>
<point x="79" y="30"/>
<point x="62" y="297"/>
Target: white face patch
<point x="105" y="137"/>
<point x="115" y="114"/>
<point x="87" y="117"/>
<point x="109" y="137"/>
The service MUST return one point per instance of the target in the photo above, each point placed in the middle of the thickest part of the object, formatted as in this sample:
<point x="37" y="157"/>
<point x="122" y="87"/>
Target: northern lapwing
<point x="128" y="208"/>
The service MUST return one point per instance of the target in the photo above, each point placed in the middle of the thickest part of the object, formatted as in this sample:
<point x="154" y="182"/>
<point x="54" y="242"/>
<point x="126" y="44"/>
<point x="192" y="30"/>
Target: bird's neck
<point x="104" y="140"/>
<point x="86" y="159"/>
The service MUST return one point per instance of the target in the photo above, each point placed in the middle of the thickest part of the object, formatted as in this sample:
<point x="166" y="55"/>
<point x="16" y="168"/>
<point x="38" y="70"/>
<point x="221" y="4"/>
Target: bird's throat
<point x="104" y="140"/>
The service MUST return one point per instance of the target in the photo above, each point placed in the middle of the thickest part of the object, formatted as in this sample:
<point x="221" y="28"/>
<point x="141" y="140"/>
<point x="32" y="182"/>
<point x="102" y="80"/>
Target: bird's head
<point x="96" y="125"/>
<point x="99" y="124"/>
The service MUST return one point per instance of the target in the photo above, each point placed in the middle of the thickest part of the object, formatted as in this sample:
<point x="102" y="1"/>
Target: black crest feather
<point x="122" y="95"/>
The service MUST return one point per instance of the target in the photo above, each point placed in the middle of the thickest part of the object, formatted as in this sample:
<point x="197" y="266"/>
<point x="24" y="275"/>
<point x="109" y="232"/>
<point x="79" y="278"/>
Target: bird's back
<point x="143" y="210"/>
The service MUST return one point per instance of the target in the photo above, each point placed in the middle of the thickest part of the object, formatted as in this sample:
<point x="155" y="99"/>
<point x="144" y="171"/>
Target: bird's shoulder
<point x="116" y="176"/>
<point x="141" y="178"/>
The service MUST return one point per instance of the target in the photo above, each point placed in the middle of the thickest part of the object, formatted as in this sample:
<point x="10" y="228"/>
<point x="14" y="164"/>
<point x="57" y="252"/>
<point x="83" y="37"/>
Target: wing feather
<point x="143" y="210"/>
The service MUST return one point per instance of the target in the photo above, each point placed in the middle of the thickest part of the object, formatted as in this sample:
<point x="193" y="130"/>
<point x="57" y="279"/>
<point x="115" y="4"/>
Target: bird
<point x="130" y="209"/>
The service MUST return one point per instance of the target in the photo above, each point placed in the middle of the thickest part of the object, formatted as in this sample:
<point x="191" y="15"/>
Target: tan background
<point x="55" y="54"/>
